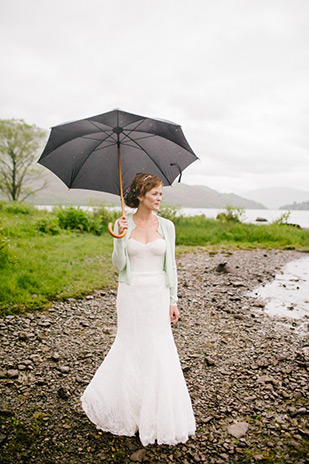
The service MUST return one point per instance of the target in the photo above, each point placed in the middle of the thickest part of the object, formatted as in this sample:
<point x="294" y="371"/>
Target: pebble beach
<point x="247" y="373"/>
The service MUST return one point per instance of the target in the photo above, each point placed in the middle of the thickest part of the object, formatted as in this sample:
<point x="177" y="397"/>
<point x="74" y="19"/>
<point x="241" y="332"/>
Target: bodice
<point x="146" y="258"/>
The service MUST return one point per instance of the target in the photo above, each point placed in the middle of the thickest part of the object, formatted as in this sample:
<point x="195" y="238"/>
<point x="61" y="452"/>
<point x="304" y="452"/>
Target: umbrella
<point x="104" y="152"/>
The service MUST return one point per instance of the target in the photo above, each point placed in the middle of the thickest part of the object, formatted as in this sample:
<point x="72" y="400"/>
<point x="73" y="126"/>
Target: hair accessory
<point x="128" y="192"/>
<point x="147" y="177"/>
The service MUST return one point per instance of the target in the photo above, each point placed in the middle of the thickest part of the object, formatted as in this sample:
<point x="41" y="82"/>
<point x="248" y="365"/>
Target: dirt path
<point x="240" y="367"/>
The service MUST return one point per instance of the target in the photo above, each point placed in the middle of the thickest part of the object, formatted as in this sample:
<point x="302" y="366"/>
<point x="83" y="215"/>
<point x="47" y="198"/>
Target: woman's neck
<point x="144" y="214"/>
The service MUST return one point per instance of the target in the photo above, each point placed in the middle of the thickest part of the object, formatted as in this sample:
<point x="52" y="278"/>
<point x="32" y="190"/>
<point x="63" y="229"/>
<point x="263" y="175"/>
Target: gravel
<point x="246" y="373"/>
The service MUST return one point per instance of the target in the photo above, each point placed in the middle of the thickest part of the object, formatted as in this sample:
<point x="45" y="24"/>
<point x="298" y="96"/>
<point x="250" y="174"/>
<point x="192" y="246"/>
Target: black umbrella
<point x="106" y="151"/>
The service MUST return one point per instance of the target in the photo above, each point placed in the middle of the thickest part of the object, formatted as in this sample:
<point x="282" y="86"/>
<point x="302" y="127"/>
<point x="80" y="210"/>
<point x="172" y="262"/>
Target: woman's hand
<point x="122" y="224"/>
<point x="174" y="313"/>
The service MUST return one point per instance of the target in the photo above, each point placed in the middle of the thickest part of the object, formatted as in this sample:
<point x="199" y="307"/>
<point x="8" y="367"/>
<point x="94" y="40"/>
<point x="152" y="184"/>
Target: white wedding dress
<point x="140" y="384"/>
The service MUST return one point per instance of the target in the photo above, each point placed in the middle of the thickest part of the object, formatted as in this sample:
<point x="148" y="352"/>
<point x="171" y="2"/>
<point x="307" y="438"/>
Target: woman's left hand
<point x="174" y="313"/>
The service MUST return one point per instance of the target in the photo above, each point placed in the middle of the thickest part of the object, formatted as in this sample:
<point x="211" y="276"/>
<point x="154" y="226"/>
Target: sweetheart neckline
<point x="155" y="240"/>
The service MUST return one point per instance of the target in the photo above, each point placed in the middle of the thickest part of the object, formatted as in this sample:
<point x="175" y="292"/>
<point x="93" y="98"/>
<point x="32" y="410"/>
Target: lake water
<point x="296" y="217"/>
<point x="287" y="296"/>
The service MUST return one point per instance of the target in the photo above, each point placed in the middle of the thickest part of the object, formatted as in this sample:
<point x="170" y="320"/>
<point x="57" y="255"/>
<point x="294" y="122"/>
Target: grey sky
<point x="233" y="73"/>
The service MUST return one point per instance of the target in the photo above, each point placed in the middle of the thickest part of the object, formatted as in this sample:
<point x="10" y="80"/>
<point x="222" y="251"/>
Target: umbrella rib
<point x="142" y="138"/>
<point x="141" y="148"/>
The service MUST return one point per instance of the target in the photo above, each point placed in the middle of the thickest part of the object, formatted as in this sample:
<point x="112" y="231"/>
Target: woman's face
<point x="152" y="199"/>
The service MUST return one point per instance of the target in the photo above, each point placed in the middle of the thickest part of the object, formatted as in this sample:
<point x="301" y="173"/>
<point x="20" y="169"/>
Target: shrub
<point x="48" y="226"/>
<point x="169" y="212"/>
<point x="231" y="213"/>
<point x="283" y="219"/>
<point x="102" y="216"/>
<point x="14" y="207"/>
<point x="73" y="218"/>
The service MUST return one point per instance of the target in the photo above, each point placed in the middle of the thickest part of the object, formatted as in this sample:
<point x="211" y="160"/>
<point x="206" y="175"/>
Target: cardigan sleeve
<point x="173" y="289"/>
<point x="119" y="258"/>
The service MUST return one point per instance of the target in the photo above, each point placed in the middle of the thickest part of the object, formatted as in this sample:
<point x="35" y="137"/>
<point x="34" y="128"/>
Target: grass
<point x="52" y="256"/>
<point x="199" y="231"/>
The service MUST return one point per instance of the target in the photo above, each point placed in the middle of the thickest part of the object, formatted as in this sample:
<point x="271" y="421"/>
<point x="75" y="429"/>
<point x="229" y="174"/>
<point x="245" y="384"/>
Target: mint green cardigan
<point x="121" y="259"/>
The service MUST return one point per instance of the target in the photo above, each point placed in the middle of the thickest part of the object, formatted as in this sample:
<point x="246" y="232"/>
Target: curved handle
<point x="110" y="230"/>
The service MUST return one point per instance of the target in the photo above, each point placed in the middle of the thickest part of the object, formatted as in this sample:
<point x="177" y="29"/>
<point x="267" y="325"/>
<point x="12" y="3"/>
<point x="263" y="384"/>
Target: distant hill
<point x="304" y="205"/>
<point x="187" y="196"/>
<point x="200" y="196"/>
<point x="275" y="197"/>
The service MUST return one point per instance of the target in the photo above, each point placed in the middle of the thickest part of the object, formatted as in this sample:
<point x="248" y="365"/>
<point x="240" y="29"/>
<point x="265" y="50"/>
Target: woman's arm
<point x="119" y="258"/>
<point x="173" y="289"/>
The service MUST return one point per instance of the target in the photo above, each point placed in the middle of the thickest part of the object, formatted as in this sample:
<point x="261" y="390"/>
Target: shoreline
<point x="239" y="365"/>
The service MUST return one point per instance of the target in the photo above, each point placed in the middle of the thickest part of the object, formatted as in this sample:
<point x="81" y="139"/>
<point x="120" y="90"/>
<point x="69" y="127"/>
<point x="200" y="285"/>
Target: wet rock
<point x="238" y="430"/>
<point x="138" y="456"/>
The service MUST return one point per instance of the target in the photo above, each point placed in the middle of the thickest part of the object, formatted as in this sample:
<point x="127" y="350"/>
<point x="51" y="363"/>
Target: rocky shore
<point x="247" y="374"/>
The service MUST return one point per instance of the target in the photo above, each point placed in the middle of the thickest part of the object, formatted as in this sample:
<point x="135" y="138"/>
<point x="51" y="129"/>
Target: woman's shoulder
<point x="166" y="222"/>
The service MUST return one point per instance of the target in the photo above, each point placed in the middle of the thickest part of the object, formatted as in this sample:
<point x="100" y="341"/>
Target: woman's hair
<point x="140" y="185"/>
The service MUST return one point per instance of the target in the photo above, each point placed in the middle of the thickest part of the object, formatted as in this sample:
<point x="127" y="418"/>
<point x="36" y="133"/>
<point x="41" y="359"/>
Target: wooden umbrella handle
<point x="110" y="230"/>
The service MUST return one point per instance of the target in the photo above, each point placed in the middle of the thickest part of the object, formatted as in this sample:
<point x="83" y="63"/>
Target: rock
<point x="265" y="379"/>
<point x="238" y="430"/>
<point x="44" y="323"/>
<point x="12" y="373"/>
<point x="2" y="374"/>
<point x="261" y="219"/>
<point x="62" y="393"/>
<point x="64" y="369"/>
<point x="22" y="336"/>
<point x="138" y="456"/>
<point x="2" y="438"/>
<point x="55" y="357"/>
<point x="222" y="267"/>
<point x="21" y="367"/>
<point x="35" y="358"/>
<point x="209" y="361"/>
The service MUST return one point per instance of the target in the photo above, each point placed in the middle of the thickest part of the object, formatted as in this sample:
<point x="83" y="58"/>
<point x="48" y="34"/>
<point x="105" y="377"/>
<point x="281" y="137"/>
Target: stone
<point x="64" y="369"/>
<point x="138" y="456"/>
<point x="12" y="373"/>
<point x="62" y="393"/>
<point x="238" y="429"/>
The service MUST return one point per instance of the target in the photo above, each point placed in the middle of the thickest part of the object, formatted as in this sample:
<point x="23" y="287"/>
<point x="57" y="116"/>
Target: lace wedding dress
<point x="140" y="384"/>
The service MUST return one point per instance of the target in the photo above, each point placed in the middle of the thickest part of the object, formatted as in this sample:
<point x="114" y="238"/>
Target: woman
<point x="140" y="384"/>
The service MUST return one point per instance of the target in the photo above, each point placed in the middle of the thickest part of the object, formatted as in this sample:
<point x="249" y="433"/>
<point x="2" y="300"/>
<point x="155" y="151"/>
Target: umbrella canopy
<point x="84" y="153"/>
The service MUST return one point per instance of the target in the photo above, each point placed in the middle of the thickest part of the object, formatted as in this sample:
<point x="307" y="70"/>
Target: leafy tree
<point x="19" y="146"/>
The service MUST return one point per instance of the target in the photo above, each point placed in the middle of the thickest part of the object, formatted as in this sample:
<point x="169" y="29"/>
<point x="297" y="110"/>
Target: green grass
<point x="40" y="261"/>
<point x="199" y="231"/>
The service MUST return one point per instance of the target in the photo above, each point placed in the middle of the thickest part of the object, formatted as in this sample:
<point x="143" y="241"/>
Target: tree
<point x="19" y="146"/>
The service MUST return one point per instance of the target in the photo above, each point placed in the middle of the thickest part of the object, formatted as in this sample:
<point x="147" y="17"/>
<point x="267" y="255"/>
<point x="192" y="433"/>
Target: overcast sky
<point x="233" y="73"/>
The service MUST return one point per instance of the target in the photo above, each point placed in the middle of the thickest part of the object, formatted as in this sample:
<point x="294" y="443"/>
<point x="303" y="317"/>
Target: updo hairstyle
<point x="140" y="185"/>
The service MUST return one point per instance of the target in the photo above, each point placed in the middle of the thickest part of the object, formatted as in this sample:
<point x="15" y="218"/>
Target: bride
<point x="140" y="384"/>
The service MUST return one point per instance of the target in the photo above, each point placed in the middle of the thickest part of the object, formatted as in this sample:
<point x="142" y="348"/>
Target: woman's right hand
<point x="122" y="224"/>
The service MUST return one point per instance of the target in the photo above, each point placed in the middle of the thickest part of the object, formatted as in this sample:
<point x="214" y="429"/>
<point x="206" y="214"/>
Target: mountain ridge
<point x="276" y="197"/>
<point x="179" y="194"/>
